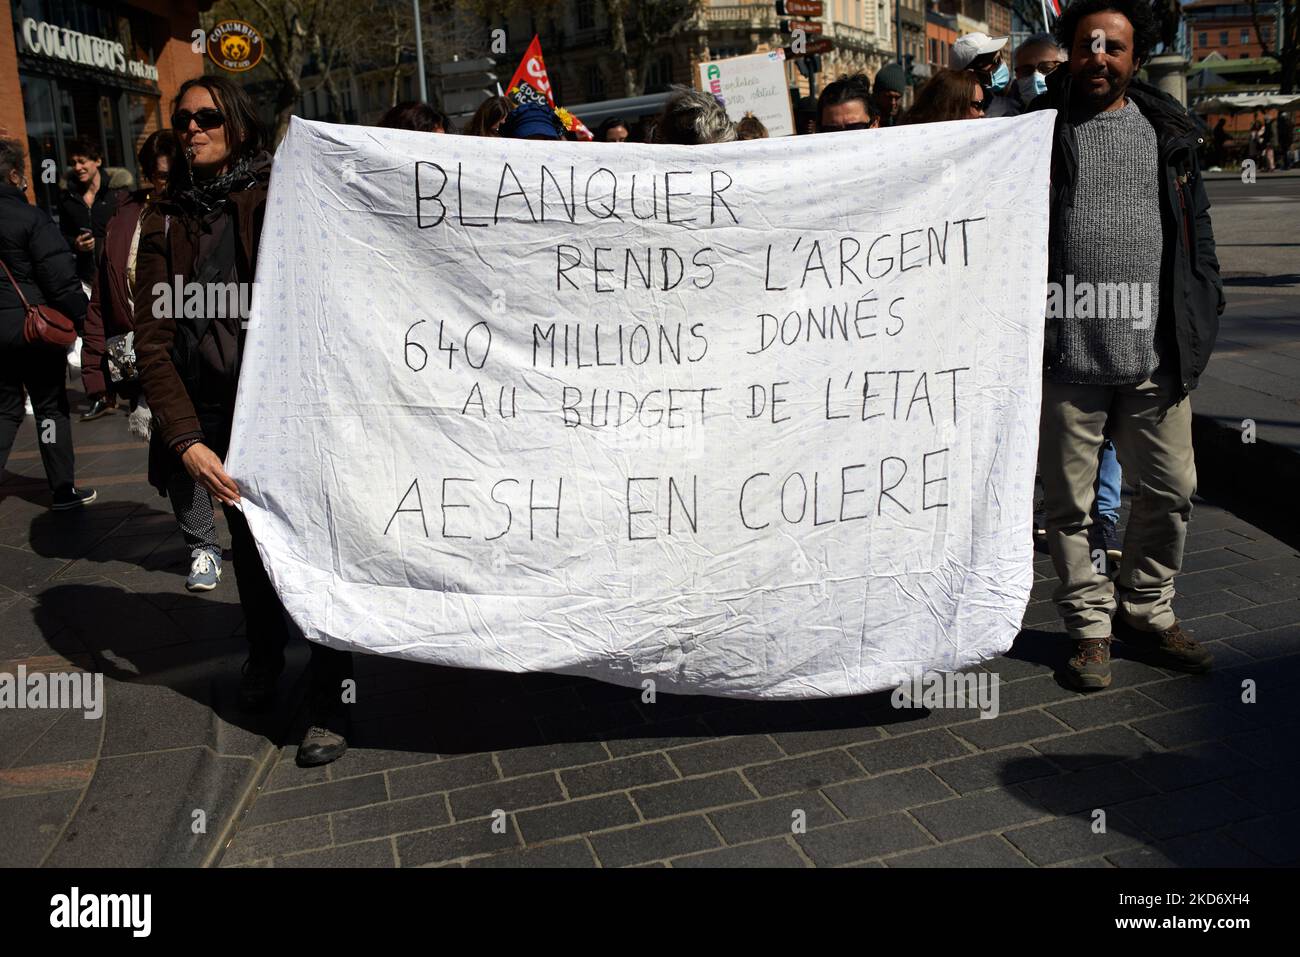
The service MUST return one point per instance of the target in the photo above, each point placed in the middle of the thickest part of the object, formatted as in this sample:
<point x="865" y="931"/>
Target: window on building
<point x="1223" y="38"/>
<point x="1203" y="40"/>
<point x="1245" y="36"/>
<point x="659" y="75"/>
<point x="585" y="11"/>
<point x="594" y="81"/>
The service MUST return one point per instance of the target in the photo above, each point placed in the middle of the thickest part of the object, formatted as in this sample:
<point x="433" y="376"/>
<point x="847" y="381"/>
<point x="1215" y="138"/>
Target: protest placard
<point x="644" y="412"/>
<point x="754" y="83"/>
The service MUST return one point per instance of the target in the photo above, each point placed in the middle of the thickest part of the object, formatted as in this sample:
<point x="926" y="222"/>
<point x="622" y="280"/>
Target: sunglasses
<point x="846" y="126"/>
<point x="1044" y="67"/>
<point x="208" y="118"/>
<point x="980" y="105"/>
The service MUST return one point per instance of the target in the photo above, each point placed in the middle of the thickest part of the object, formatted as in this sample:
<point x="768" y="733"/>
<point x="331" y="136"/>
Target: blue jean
<point x="1109" y="476"/>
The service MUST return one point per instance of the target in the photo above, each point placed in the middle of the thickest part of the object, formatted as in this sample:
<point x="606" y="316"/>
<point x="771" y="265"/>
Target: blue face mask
<point x="1001" y="77"/>
<point x="1032" y="86"/>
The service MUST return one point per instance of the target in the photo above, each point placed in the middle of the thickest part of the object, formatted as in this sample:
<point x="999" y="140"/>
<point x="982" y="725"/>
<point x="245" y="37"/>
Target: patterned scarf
<point x="208" y="195"/>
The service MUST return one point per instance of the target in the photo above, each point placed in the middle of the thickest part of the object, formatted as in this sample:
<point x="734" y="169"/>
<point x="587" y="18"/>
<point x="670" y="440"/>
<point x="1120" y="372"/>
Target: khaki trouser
<point x="1153" y="439"/>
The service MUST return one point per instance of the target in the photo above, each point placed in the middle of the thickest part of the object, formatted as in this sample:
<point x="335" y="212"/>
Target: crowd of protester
<point x="1126" y="205"/>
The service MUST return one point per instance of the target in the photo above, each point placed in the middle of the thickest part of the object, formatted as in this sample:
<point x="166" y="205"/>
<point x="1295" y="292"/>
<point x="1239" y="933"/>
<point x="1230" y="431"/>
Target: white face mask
<point x="1032" y="86"/>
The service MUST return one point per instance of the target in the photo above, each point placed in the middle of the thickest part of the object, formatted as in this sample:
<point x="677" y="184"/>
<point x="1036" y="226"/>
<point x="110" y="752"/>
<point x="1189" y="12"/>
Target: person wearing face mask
<point x="205" y="229"/>
<point x="982" y="55"/>
<point x="1035" y="59"/>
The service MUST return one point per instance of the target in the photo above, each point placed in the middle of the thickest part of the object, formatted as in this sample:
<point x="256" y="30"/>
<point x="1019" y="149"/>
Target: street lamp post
<point x="419" y="54"/>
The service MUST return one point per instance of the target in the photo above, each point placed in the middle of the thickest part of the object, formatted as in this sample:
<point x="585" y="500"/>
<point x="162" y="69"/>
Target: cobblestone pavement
<point x="577" y="773"/>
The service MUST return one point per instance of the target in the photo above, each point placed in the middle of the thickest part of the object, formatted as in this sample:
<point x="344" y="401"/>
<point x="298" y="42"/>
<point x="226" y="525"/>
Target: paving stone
<point x="273" y="840"/>
<point x="1197" y="850"/>
<point x="771" y="853"/>
<point x="1102" y="709"/>
<point x="511" y="795"/>
<point x="890" y="792"/>
<point x="862" y="840"/>
<point x="1206" y="723"/>
<point x="660" y="736"/>
<point x="804" y="741"/>
<point x="1101" y="786"/>
<point x="1008" y="729"/>
<point x="1212" y="558"/>
<point x="550" y="757"/>
<point x="366" y="854"/>
<point x="802" y="773"/>
<point x="1276" y="839"/>
<point x="31" y="823"/>
<point x="1277" y="615"/>
<point x="1010" y="669"/>
<point x="993" y="769"/>
<point x="650" y="842"/>
<point x="1214" y="627"/>
<point x="1066" y="838"/>
<point x="987" y="851"/>
<point x="287" y="774"/>
<point x="1272" y="791"/>
<point x="692" y="794"/>
<point x="394" y="817"/>
<point x="976" y="813"/>
<point x="724" y="753"/>
<point x="130" y="815"/>
<point x="1216" y="579"/>
<point x="1074" y="752"/>
<point x="317" y="799"/>
<point x="617" y="775"/>
<point x="773" y="817"/>
<point x="1268" y="746"/>
<point x="1193" y="809"/>
<point x="1267" y="592"/>
<point x="453" y="841"/>
<point x="913" y="749"/>
<point x="576" y="817"/>
<point x="445" y="775"/>
<point x="1268" y="644"/>
<point x="561" y="854"/>
<point x="1174" y="770"/>
<point x="1029" y="693"/>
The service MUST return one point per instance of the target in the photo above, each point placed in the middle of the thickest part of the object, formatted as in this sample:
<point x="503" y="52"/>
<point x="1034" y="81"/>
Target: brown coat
<point x="110" y="311"/>
<point x="169" y="242"/>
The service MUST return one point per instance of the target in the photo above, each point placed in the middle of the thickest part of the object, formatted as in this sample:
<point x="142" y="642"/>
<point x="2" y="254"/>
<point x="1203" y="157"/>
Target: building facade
<point x="1228" y="29"/>
<point x="96" y="69"/>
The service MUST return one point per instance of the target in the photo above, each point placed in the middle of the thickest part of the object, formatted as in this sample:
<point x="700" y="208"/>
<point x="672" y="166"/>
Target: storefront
<point x="103" y="71"/>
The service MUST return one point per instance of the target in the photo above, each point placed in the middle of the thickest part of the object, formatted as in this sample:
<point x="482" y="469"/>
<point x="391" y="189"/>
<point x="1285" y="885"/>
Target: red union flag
<point x="530" y="84"/>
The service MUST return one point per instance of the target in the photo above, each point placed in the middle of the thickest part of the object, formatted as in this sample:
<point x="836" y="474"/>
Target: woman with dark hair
<point x="487" y="119"/>
<point x="38" y="268"/>
<point x="420" y="117"/>
<point x="111" y="315"/>
<point x="205" y="229"/>
<point x="613" y="130"/>
<point x="949" y="95"/>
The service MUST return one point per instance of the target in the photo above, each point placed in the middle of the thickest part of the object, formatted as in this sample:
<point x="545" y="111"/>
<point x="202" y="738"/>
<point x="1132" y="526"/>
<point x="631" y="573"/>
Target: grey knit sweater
<point x="1113" y="244"/>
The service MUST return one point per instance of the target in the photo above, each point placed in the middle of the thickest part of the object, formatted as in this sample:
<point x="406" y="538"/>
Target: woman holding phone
<point x="205" y="229"/>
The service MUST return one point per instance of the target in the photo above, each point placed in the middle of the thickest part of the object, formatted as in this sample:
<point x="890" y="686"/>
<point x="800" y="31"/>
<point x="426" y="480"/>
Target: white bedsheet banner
<point x="756" y="419"/>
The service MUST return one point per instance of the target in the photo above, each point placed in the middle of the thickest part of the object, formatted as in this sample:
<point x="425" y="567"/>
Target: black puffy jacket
<point x="1191" y="292"/>
<point x="38" y="256"/>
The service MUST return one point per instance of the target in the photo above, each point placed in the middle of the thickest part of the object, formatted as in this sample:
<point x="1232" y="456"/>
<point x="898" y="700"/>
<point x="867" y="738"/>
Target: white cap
<point x="972" y="45"/>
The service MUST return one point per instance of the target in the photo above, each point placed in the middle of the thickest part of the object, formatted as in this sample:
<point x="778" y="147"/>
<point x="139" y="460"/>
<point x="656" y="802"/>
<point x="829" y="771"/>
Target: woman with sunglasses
<point x="205" y="229"/>
<point x="949" y="95"/>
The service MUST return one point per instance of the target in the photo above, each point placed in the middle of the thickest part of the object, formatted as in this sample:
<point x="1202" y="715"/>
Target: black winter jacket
<point x="36" y="253"/>
<point x="1191" y="292"/>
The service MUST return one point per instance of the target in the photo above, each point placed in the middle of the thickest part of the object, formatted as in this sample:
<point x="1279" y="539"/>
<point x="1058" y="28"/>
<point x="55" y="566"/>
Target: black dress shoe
<point x="320" y="746"/>
<point x="100" y="407"/>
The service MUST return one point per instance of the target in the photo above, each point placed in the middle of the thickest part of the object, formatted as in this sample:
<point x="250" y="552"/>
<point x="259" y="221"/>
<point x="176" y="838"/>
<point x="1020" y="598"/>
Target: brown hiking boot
<point x="1171" y="648"/>
<point x="1089" y="669"/>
